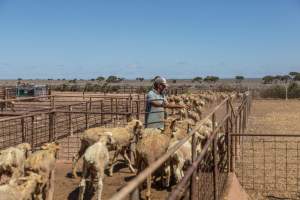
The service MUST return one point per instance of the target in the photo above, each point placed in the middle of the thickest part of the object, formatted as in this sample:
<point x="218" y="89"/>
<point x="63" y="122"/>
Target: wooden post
<point x="70" y="120"/>
<point x="215" y="172"/>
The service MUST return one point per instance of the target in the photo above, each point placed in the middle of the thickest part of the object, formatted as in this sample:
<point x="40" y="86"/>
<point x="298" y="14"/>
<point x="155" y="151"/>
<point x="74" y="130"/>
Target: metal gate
<point x="268" y="165"/>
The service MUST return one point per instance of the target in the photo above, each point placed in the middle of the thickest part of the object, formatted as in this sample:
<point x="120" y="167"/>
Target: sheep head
<point x="135" y="127"/>
<point x="52" y="147"/>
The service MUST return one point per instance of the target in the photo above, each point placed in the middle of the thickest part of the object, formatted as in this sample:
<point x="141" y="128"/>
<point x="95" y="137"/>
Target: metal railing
<point x="65" y="122"/>
<point x="207" y="175"/>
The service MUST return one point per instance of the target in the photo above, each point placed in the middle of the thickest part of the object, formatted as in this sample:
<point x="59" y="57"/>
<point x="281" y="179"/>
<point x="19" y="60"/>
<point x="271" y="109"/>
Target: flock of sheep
<point x="31" y="175"/>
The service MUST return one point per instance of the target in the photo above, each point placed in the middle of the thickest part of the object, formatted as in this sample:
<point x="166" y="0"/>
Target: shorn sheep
<point x="123" y="137"/>
<point x="12" y="160"/>
<point x="95" y="160"/>
<point x="151" y="145"/>
<point x="42" y="162"/>
<point x="22" y="188"/>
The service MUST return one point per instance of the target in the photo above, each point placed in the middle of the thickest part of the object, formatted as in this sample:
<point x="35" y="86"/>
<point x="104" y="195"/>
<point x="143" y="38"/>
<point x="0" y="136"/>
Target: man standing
<point x="156" y="102"/>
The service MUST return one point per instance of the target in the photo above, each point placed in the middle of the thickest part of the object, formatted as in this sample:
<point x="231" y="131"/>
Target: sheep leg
<point x="113" y="161"/>
<point x="100" y="186"/>
<point x="77" y="156"/>
<point x="129" y="162"/>
<point x="82" y="184"/>
<point x="148" y="193"/>
<point x="51" y="186"/>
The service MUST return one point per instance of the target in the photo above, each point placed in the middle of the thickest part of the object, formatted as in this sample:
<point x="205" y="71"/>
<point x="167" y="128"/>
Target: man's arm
<point x="166" y="105"/>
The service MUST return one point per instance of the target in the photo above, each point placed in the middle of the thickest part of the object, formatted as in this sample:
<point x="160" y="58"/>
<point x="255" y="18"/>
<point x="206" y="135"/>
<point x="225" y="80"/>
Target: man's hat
<point x="160" y="80"/>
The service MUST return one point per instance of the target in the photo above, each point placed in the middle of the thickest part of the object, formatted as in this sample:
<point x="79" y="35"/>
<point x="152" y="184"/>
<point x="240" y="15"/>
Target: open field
<point x="268" y="166"/>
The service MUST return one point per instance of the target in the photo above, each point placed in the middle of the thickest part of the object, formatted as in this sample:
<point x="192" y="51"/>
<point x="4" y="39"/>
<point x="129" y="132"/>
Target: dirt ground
<point x="268" y="166"/>
<point x="67" y="188"/>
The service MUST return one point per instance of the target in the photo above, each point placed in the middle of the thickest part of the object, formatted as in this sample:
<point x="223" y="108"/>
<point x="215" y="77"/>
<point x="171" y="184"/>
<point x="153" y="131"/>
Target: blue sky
<point x="173" y="38"/>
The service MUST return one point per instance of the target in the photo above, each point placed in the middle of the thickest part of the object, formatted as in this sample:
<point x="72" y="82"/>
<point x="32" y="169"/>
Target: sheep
<point x="10" y="104"/>
<point x="122" y="135"/>
<point x="12" y="160"/>
<point x="22" y="188"/>
<point x="153" y="144"/>
<point x="95" y="160"/>
<point x="42" y="162"/>
<point x="177" y="161"/>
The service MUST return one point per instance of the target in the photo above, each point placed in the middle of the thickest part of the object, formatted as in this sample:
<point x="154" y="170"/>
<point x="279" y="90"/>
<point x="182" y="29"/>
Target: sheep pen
<point x="109" y="112"/>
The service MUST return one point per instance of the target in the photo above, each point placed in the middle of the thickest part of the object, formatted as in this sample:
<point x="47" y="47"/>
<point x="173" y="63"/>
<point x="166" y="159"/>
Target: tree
<point x="100" y="78"/>
<point x="239" y="79"/>
<point x="212" y="79"/>
<point x="293" y="74"/>
<point x="140" y="79"/>
<point x="268" y="79"/>
<point x="197" y="79"/>
<point x="297" y="77"/>
<point x="114" y="79"/>
<point x="111" y="79"/>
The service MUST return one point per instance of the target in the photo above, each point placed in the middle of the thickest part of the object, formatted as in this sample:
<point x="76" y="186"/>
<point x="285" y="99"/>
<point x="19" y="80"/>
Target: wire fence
<point x="268" y="165"/>
<point x="65" y="122"/>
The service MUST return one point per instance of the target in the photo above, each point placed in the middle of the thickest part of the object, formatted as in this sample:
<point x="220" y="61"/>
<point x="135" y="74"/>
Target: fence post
<point x="6" y="96"/>
<point x="51" y="126"/>
<point x="102" y="111"/>
<point x="23" y="130"/>
<point x="70" y="120"/>
<point x="215" y="172"/>
<point x="111" y="109"/>
<point x="137" y="110"/>
<point x="52" y="102"/>
<point x="86" y="115"/>
<point x="117" y="110"/>
<point x="193" y="184"/>
<point x="32" y="130"/>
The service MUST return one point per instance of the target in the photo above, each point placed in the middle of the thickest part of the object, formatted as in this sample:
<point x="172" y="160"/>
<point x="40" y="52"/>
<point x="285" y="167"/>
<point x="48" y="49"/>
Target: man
<point x="156" y="102"/>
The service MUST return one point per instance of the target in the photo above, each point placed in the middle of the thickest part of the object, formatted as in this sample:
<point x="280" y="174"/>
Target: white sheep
<point x="42" y="162"/>
<point x="95" y="160"/>
<point x="12" y="160"/>
<point x="22" y="188"/>
<point x="123" y="137"/>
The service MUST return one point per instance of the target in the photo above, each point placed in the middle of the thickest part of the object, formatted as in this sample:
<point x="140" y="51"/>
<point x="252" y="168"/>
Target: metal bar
<point x="70" y="121"/>
<point x="267" y="135"/>
<point x="215" y="172"/>
<point x="23" y="130"/>
<point x="193" y="185"/>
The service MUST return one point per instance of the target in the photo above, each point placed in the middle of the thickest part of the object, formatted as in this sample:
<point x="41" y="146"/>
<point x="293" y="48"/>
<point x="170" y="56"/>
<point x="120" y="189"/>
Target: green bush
<point x="278" y="91"/>
<point x="294" y="90"/>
